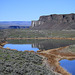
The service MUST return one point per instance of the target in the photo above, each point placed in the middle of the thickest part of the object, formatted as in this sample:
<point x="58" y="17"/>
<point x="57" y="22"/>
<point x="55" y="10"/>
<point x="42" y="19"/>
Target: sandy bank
<point x="55" y="55"/>
<point x="44" y="38"/>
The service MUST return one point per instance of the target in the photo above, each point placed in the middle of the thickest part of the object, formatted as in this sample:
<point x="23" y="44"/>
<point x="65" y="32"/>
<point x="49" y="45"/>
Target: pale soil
<point x="55" y="55"/>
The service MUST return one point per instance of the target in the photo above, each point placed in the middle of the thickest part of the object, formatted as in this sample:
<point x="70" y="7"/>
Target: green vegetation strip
<point x="21" y="63"/>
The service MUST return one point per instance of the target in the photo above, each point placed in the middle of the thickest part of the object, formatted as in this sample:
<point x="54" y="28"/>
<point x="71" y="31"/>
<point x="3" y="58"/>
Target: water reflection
<point x="38" y="44"/>
<point x="69" y="65"/>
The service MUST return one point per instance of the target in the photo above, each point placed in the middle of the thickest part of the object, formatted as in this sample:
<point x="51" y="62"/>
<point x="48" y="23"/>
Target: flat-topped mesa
<point x="55" y="17"/>
<point x="55" y="22"/>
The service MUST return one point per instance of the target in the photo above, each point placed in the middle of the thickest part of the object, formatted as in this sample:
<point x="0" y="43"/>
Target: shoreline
<point x="61" y="38"/>
<point x="53" y="55"/>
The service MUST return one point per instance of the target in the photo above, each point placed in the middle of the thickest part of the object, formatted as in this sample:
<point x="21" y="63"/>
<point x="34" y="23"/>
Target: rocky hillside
<point x="55" y="22"/>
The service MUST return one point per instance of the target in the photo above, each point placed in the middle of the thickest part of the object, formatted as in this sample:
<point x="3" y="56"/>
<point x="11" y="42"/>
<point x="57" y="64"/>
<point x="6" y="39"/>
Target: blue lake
<point x="21" y="47"/>
<point x="68" y="65"/>
<point x="36" y="44"/>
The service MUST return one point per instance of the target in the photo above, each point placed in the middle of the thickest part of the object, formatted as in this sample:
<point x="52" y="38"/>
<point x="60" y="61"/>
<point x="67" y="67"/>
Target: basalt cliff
<point x="55" y="22"/>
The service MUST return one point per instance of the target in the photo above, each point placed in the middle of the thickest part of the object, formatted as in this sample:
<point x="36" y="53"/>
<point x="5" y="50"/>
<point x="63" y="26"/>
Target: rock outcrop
<point x="55" y="22"/>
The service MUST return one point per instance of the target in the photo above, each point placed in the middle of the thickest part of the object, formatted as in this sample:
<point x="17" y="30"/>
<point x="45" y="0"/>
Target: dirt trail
<point x="55" y="55"/>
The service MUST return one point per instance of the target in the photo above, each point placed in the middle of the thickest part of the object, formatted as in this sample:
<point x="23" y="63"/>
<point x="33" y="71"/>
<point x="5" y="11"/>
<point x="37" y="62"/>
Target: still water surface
<point x="68" y="65"/>
<point x="35" y="45"/>
<point x="21" y="47"/>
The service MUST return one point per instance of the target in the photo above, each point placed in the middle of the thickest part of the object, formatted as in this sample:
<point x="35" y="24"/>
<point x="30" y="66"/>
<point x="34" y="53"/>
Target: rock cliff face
<point x="55" y="22"/>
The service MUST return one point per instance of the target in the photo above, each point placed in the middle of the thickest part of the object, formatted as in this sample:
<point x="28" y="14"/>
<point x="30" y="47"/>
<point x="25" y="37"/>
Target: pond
<point x="68" y="65"/>
<point x="21" y="47"/>
<point x="35" y="44"/>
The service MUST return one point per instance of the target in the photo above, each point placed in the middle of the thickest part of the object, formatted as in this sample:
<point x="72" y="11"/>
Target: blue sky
<point x="27" y="10"/>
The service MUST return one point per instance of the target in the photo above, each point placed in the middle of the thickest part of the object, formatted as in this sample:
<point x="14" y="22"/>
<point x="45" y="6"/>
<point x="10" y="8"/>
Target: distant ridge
<point x="55" y="22"/>
<point x="14" y="24"/>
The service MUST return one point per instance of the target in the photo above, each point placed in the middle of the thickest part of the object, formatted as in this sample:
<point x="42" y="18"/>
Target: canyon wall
<point x="55" y="22"/>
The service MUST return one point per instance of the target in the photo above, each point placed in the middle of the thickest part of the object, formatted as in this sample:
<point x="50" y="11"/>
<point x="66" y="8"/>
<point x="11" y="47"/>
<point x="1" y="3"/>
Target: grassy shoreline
<point x="40" y="34"/>
<point x="55" y="55"/>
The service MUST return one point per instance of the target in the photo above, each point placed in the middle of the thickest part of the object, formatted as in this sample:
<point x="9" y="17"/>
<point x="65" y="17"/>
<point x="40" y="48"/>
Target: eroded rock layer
<point x="55" y="22"/>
